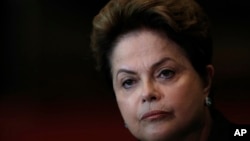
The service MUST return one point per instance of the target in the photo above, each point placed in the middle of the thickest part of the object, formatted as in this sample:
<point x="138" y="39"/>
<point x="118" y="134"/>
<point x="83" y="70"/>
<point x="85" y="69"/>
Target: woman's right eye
<point x="128" y="83"/>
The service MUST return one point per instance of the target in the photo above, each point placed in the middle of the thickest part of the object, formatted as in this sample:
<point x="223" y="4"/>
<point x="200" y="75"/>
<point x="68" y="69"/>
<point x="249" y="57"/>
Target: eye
<point x="128" y="83"/>
<point x="166" y="74"/>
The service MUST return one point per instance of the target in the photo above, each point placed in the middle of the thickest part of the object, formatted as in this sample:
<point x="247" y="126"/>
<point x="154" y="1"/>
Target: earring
<point x="125" y="125"/>
<point x="208" y="101"/>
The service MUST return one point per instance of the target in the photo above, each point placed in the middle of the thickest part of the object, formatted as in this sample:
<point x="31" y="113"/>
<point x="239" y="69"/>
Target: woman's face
<point x="158" y="92"/>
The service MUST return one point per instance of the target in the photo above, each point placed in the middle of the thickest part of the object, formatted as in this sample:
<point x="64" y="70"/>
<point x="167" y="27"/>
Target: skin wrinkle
<point x="182" y="96"/>
<point x="136" y="33"/>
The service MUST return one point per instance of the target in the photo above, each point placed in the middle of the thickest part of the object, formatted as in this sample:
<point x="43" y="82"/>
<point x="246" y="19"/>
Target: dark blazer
<point x="224" y="130"/>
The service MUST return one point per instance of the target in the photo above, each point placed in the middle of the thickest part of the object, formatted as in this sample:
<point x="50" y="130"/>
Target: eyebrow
<point x="160" y="62"/>
<point x="125" y="71"/>
<point x="155" y="65"/>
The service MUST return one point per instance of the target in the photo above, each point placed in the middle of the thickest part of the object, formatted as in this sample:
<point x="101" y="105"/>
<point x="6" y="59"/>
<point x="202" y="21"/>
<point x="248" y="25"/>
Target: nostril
<point x="149" y="98"/>
<point x="153" y="98"/>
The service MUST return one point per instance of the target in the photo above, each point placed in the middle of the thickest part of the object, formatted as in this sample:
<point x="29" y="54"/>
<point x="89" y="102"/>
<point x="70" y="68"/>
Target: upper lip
<point x="153" y="113"/>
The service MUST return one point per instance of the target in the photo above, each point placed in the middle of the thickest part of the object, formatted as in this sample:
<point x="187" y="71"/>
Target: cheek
<point x="187" y="98"/>
<point x="127" y="107"/>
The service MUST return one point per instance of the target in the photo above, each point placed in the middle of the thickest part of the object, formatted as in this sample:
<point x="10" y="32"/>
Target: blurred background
<point x="50" y="90"/>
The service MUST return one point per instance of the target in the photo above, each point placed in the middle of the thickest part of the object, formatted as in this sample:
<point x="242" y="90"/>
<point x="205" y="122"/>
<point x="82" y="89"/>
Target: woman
<point x="156" y="55"/>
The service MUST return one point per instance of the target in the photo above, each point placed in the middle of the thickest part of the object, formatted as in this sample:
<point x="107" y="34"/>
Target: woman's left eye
<point x="166" y="74"/>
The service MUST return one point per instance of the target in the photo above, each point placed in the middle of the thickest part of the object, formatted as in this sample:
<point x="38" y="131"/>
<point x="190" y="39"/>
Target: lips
<point x="156" y="114"/>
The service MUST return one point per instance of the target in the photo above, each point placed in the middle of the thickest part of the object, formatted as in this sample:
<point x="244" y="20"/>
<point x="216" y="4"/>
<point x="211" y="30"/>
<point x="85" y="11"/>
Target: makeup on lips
<point x="156" y="115"/>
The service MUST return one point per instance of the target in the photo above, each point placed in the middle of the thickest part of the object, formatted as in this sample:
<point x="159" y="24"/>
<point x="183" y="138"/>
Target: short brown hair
<point x="183" y="21"/>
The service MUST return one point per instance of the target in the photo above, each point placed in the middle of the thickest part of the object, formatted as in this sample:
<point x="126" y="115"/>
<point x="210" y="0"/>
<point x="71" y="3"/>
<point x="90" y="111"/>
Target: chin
<point x="154" y="134"/>
<point x="154" y="138"/>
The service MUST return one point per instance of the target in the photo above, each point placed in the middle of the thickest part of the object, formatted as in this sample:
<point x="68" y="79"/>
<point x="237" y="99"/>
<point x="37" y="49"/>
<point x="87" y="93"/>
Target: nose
<point x="150" y="92"/>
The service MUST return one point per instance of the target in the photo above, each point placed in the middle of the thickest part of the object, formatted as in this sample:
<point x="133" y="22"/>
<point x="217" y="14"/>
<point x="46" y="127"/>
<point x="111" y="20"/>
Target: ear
<point x="210" y="75"/>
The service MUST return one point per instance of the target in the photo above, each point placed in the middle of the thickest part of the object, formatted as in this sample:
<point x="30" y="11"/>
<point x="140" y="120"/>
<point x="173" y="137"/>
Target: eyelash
<point x="125" y="83"/>
<point x="128" y="83"/>
<point x="170" y="74"/>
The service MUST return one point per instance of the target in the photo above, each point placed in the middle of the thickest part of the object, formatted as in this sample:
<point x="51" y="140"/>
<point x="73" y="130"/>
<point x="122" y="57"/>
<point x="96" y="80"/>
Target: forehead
<point x="144" y="47"/>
